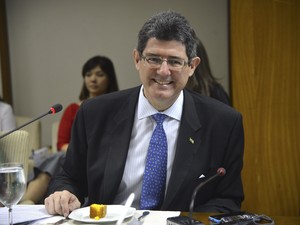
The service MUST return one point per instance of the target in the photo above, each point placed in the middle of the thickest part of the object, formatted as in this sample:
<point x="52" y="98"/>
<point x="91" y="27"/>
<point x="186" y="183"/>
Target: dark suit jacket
<point x="210" y="136"/>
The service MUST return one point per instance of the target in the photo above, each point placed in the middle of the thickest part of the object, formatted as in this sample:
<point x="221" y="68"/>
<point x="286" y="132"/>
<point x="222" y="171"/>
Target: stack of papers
<point x="23" y="213"/>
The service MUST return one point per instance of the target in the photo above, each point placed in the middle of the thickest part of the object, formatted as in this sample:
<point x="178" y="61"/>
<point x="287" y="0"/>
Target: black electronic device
<point x="182" y="220"/>
<point x="232" y="218"/>
<point x="240" y="218"/>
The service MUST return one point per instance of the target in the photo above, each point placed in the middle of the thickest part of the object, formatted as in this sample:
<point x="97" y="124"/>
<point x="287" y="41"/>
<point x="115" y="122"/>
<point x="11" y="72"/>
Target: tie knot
<point x="159" y="118"/>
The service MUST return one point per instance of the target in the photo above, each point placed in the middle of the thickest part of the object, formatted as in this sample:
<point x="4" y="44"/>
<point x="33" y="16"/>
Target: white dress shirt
<point x="7" y="118"/>
<point x="143" y="128"/>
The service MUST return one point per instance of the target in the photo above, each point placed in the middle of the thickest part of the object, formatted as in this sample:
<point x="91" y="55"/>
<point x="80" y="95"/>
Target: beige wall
<point x="50" y="40"/>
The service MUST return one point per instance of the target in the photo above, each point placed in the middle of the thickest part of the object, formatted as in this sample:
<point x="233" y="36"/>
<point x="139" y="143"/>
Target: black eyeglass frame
<point x="156" y="62"/>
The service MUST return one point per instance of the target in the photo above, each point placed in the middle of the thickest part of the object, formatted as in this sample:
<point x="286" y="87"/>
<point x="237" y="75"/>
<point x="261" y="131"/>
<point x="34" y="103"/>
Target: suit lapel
<point x="119" y="144"/>
<point x="187" y="144"/>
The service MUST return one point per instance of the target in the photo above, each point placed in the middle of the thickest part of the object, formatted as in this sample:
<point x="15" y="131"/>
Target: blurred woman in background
<point x="203" y="80"/>
<point x="99" y="78"/>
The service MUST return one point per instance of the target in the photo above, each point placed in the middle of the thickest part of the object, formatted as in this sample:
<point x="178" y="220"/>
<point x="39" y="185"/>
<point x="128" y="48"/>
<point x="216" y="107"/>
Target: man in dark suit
<point x="106" y="158"/>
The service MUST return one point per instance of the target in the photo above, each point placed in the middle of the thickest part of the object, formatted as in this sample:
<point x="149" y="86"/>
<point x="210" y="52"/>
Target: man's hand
<point x="62" y="203"/>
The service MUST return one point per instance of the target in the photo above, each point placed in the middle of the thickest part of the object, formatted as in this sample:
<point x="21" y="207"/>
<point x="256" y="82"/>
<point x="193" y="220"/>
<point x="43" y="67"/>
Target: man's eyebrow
<point x="168" y="57"/>
<point x="151" y="54"/>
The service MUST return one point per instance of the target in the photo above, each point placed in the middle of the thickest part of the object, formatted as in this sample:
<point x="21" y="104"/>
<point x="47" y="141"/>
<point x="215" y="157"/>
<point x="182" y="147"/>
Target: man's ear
<point x="193" y="65"/>
<point x="136" y="58"/>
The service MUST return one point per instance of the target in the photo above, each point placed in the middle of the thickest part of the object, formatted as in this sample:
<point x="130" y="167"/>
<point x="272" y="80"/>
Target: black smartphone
<point x="231" y="217"/>
<point x="182" y="220"/>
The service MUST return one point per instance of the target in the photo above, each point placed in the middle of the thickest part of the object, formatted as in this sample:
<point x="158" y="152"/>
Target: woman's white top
<point x="7" y="118"/>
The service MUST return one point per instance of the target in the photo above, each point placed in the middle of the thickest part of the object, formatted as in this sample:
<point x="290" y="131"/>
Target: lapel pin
<point x="192" y="140"/>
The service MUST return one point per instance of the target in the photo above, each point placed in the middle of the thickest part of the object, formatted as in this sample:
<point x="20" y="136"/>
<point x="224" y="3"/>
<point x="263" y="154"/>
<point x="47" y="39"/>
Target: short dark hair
<point x="108" y="68"/>
<point x="168" y="26"/>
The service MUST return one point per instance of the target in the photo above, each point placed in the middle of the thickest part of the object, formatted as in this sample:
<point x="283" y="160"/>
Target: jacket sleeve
<point x="72" y="176"/>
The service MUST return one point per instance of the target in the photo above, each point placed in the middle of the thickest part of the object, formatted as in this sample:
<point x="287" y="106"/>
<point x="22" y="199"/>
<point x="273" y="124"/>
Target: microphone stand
<point x="194" y="196"/>
<point x="4" y="135"/>
<point x="54" y="109"/>
<point x="220" y="172"/>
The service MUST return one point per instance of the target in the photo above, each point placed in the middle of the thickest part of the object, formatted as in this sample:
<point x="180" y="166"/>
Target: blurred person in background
<point x="203" y="80"/>
<point x="99" y="78"/>
<point x="7" y="118"/>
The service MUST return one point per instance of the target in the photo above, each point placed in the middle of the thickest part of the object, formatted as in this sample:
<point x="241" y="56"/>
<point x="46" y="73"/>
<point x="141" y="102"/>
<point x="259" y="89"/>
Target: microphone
<point x="220" y="172"/>
<point x="54" y="109"/>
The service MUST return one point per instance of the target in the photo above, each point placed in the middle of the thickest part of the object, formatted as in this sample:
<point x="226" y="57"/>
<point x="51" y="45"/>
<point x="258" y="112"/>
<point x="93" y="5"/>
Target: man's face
<point x="163" y="82"/>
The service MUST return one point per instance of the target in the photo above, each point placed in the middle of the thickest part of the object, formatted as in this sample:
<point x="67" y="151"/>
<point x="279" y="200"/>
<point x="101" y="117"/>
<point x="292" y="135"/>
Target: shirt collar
<point x="145" y="109"/>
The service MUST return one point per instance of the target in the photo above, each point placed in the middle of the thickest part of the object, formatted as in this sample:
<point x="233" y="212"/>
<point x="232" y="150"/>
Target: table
<point x="279" y="220"/>
<point x="158" y="216"/>
<point x="203" y="217"/>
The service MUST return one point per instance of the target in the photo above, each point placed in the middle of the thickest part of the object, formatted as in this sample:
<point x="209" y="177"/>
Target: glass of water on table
<point x="12" y="185"/>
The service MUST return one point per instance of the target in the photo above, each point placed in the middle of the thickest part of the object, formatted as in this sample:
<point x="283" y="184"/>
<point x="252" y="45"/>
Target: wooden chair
<point x="15" y="148"/>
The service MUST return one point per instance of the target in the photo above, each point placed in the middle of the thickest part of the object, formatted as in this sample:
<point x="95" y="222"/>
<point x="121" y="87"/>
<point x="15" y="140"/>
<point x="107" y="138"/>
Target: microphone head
<point x="221" y="171"/>
<point x="55" y="109"/>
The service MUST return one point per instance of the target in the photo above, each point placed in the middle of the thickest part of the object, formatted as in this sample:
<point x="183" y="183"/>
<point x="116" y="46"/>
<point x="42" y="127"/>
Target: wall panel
<point x="265" y="80"/>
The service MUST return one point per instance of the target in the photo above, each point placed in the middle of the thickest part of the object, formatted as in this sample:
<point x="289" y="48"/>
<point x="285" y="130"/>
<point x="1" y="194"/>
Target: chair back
<point x="34" y="130"/>
<point x="55" y="126"/>
<point x="15" y="148"/>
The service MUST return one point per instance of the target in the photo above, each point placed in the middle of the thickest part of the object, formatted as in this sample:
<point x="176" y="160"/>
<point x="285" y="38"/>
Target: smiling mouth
<point x="163" y="82"/>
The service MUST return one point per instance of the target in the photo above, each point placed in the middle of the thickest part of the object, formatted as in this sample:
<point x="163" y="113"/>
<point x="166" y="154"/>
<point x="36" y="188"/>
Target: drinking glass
<point x="12" y="185"/>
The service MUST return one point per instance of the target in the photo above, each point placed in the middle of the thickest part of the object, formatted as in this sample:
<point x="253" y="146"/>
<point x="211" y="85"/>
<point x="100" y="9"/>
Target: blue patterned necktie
<point x="154" y="180"/>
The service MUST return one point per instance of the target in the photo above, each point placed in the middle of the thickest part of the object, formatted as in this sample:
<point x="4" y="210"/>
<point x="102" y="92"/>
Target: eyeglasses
<point x="173" y="63"/>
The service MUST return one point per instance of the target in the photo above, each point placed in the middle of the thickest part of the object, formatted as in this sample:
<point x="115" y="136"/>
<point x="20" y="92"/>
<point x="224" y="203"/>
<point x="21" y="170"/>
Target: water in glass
<point x="12" y="185"/>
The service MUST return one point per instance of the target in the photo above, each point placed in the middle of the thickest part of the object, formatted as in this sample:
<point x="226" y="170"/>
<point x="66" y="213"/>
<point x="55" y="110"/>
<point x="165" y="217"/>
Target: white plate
<point x="113" y="214"/>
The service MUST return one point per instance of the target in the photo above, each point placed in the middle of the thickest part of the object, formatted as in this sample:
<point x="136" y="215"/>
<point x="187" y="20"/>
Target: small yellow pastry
<point x="97" y="211"/>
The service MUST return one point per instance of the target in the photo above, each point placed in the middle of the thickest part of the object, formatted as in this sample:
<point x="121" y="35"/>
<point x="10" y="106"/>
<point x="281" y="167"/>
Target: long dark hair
<point x="107" y="66"/>
<point x="203" y="80"/>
